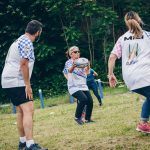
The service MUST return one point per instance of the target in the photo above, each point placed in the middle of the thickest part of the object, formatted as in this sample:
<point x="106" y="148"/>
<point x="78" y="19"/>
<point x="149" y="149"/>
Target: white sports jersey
<point x="135" y="55"/>
<point x="11" y="75"/>
<point x="76" y="79"/>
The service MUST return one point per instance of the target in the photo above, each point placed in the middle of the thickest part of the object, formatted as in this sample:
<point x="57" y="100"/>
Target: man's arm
<point x="25" y="73"/>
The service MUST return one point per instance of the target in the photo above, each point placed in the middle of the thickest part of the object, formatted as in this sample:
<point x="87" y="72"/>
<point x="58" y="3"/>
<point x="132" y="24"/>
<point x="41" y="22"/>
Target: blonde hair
<point x="67" y="54"/>
<point x="134" y="22"/>
<point x="70" y="50"/>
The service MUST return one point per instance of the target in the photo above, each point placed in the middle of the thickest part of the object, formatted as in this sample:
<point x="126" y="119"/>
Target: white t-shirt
<point x="135" y="55"/>
<point x="76" y="79"/>
<point x="11" y="75"/>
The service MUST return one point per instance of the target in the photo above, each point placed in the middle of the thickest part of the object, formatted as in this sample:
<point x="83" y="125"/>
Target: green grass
<point x="55" y="128"/>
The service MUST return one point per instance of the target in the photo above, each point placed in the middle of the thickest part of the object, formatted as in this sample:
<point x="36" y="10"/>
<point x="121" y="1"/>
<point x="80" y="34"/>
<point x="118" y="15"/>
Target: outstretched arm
<point x="95" y="73"/>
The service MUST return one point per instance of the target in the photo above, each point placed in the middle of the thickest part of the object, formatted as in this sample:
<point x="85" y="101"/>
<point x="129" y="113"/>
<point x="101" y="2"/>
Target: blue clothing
<point x="90" y="76"/>
<point x="93" y="85"/>
<point x="145" y="113"/>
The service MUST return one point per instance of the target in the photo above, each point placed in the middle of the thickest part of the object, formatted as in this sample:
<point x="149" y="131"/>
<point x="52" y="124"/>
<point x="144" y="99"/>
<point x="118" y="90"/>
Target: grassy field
<point x="55" y="128"/>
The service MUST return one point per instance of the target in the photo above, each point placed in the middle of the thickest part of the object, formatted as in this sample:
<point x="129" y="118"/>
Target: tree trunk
<point x="64" y="31"/>
<point x="105" y="54"/>
<point x="92" y="42"/>
<point x="89" y="41"/>
<point x="113" y="28"/>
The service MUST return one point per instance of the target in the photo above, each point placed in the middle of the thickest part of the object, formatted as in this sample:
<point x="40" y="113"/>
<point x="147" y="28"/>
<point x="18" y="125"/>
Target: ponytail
<point x="133" y="22"/>
<point x="67" y="54"/>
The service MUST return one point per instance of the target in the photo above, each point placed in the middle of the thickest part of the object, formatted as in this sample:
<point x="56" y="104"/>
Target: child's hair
<point x="134" y="22"/>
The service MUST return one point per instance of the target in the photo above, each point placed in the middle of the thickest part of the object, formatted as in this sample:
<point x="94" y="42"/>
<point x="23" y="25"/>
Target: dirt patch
<point x="119" y="143"/>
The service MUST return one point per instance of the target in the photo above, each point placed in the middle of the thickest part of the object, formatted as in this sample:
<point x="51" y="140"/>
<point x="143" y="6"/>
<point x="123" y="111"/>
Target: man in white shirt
<point x="16" y="80"/>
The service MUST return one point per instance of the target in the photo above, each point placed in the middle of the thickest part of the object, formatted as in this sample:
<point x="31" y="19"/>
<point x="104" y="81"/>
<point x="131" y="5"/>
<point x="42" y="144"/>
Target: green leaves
<point x="92" y="25"/>
<point x="43" y="51"/>
<point x="71" y="33"/>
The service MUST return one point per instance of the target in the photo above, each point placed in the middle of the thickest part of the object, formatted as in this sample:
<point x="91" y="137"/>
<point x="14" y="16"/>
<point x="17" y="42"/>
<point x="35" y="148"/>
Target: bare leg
<point x="20" y="122"/>
<point x="28" y="111"/>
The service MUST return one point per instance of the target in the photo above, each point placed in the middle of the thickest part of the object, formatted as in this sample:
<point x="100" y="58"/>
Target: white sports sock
<point x="22" y="139"/>
<point x="29" y="143"/>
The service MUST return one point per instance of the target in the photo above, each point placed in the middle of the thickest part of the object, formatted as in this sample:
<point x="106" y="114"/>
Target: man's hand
<point x="112" y="80"/>
<point x="29" y="93"/>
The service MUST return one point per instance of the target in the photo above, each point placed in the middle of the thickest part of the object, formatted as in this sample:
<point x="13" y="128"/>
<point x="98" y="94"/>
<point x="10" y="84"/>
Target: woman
<point x="134" y="48"/>
<point x="77" y="86"/>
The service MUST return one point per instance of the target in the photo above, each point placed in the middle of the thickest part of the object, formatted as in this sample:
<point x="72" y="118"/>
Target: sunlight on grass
<point x="56" y="129"/>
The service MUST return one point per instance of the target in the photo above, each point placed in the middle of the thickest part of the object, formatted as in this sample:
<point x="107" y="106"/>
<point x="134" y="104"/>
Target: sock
<point x="29" y="143"/>
<point x="22" y="139"/>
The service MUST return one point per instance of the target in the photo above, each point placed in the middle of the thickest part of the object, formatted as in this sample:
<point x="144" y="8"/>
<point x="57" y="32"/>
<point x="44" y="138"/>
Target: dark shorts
<point x="17" y="95"/>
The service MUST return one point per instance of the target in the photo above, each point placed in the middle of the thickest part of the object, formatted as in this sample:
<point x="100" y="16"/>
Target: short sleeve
<point x="117" y="50"/>
<point x="68" y="64"/>
<point x="26" y="49"/>
<point x="65" y="71"/>
<point x="92" y="71"/>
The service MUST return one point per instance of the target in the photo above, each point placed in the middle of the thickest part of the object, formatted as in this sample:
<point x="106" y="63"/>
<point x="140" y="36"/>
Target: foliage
<point x="92" y="25"/>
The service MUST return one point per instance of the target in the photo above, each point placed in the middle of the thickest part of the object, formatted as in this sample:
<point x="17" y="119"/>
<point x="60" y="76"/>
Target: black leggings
<point x="84" y="98"/>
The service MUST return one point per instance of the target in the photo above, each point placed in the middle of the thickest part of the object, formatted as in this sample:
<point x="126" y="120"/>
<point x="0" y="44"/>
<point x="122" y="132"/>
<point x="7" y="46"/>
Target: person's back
<point x="135" y="54"/>
<point x="134" y="48"/>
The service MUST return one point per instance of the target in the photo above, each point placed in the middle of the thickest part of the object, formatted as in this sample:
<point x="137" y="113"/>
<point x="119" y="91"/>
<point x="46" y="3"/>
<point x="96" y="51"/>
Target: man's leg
<point x="20" y="121"/>
<point x="22" y="142"/>
<point x="28" y="111"/>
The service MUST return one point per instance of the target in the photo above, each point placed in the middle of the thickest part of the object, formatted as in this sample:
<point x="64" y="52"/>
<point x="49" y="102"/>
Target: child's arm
<point x="95" y="73"/>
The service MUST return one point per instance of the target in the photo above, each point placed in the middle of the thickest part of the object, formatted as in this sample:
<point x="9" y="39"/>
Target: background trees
<point x="92" y="25"/>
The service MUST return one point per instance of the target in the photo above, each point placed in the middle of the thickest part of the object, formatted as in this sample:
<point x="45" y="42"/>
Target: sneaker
<point x="83" y="116"/>
<point x="21" y="146"/>
<point x="143" y="127"/>
<point x="79" y="121"/>
<point x="35" y="147"/>
<point x="89" y="121"/>
<point x="100" y="104"/>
